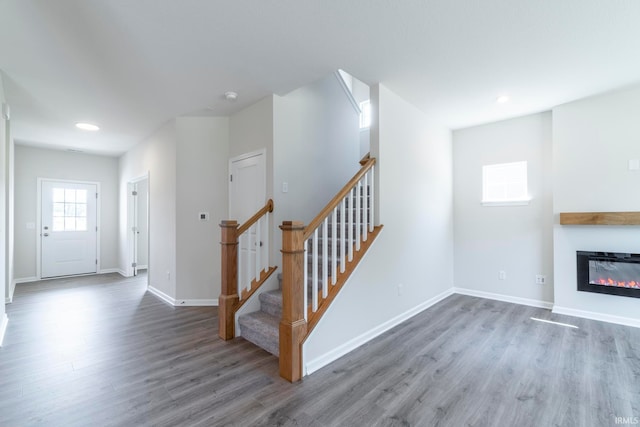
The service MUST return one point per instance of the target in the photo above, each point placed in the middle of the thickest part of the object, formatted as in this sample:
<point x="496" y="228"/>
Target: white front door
<point x="68" y="232"/>
<point x="247" y="193"/>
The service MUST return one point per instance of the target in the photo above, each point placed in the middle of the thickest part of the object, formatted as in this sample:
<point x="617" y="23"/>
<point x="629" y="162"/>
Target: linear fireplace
<point x="609" y="273"/>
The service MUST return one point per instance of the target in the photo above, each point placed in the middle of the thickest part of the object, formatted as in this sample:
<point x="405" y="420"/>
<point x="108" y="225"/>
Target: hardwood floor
<point x="100" y="351"/>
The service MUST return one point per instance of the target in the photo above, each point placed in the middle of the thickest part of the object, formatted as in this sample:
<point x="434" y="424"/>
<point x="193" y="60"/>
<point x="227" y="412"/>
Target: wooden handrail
<point x="315" y="223"/>
<point x="267" y="208"/>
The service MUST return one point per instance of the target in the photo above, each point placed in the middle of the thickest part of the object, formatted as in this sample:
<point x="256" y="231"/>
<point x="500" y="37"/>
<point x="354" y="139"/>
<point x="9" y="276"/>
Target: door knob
<point x="46" y="234"/>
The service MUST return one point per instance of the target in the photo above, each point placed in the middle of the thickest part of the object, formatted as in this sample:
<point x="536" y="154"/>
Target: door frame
<point x="262" y="152"/>
<point x="131" y="222"/>
<point x="39" y="222"/>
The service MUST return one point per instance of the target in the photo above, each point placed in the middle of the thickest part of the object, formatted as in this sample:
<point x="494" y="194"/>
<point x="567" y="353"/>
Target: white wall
<point x="10" y="213"/>
<point x="361" y="93"/>
<point x="316" y="148"/>
<point x="251" y="130"/>
<point x="202" y="186"/>
<point x="155" y="156"/>
<point x="415" y="248"/>
<point x="594" y="139"/>
<point x="32" y="163"/>
<point x="514" y="239"/>
<point x="3" y="234"/>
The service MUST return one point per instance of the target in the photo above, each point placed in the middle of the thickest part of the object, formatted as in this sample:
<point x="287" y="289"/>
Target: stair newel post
<point x="293" y="326"/>
<point x="228" y="299"/>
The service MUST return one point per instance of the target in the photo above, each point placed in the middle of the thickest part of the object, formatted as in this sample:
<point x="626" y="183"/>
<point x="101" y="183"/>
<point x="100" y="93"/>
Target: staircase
<point x="262" y="327"/>
<point x="317" y="260"/>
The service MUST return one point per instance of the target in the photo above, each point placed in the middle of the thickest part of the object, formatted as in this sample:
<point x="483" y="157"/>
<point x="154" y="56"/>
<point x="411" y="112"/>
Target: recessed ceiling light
<point x="230" y="96"/>
<point x="87" y="126"/>
<point x="502" y="99"/>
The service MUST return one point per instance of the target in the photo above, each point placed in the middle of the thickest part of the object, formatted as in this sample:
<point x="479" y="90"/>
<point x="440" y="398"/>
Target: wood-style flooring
<point x="101" y="351"/>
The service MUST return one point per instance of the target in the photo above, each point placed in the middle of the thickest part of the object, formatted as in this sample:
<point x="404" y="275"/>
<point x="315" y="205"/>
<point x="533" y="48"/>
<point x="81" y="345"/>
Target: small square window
<point x="365" y="114"/>
<point x="505" y="184"/>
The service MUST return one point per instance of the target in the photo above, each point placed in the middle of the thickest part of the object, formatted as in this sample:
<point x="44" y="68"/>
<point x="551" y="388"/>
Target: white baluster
<point x="357" y="213"/>
<point x="343" y="236"/>
<point x="266" y="246"/>
<point x="350" y="225"/>
<point x="373" y="199"/>
<point x="258" y="263"/>
<point x="305" y="290"/>
<point x="325" y="258"/>
<point x="247" y="278"/>
<point x="365" y="208"/>
<point x="334" y="247"/>
<point x="240" y="269"/>
<point x="314" y="272"/>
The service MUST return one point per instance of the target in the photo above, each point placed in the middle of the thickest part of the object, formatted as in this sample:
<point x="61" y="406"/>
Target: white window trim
<point x="506" y="202"/>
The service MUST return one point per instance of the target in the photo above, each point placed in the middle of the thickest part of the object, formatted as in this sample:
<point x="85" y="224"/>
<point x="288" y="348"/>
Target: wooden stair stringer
<point x="334" y="290"/>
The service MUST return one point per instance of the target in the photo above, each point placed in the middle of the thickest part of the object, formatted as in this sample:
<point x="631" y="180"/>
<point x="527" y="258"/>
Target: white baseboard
<point x="112" y="270"/>
<point x="182" y="302"/>
<point x="12" y="291"/>
<point x="197" y="302"/>
<point x="505" y="298"/>
<point x="349" y="346"/>
<point x="4" y="321"/>
<point x="26" y="280"/>
<point x="627" y="321"/>
<point x="164" y="297"/>
<point x="15" y="282"/>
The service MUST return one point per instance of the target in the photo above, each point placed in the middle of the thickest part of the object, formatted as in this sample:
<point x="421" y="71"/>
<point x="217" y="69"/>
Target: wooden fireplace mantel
<point x="600" y="218"/>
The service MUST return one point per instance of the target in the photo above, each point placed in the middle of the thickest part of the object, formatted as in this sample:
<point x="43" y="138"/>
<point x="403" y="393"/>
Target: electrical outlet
<point x="502" y="275"/>
<point x="168" y="275"/>
<point x="285" y="187"/>
<point x="541" y="279"/>
<point x="400" y="289"/>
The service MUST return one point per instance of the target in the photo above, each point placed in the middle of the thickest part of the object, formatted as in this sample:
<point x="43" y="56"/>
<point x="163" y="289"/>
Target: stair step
<point x="262" y="329"/>
<point x="271" y="302"/>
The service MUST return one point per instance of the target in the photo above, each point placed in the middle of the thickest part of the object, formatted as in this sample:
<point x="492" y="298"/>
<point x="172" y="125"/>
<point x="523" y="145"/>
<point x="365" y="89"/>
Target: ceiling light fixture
<point x="230" y="96"/>
<point x="87" y="126"/>
<point x="502" y="99"/>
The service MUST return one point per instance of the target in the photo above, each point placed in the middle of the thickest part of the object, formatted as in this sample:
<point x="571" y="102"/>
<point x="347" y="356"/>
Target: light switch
<point x="31" y="226"/>
<point x="634" y="164"/>
<point x="285" y="187"/>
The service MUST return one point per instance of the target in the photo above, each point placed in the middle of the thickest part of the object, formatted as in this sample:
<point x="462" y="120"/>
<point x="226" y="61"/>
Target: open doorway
<point x="138" y="225"/>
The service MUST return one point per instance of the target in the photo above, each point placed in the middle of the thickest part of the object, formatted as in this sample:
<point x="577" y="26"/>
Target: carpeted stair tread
<point x="262" y="329"/>
<point x="271" y="302"/>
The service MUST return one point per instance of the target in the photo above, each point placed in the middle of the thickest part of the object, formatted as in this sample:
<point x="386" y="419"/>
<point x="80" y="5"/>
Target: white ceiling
<point x="130" y="65"/>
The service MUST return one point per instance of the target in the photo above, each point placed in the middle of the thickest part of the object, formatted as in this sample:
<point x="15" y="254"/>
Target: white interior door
<point x="247" y="193"/>
<point x="139" y="229"/>
<point x="142" y="221"/>
<point x="68" y="232"/>
<point x="135" y="230"/>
